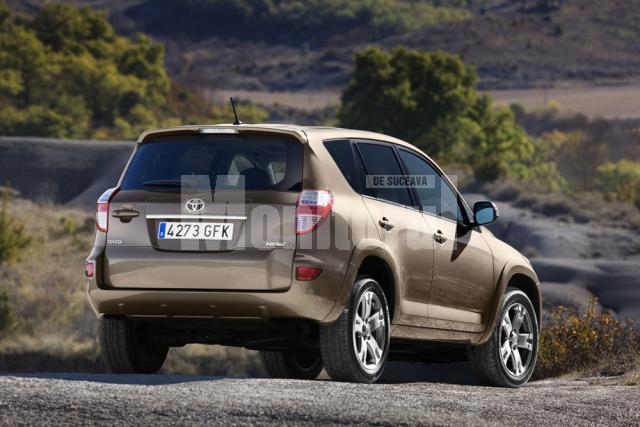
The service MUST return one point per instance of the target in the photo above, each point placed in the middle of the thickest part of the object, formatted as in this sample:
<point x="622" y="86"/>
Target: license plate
<point x="195" y="230"/>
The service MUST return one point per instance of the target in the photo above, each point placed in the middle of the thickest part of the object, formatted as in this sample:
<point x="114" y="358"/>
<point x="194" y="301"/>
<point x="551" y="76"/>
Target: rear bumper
<point x="297" y="302"/>
<point x="320" y="300"/>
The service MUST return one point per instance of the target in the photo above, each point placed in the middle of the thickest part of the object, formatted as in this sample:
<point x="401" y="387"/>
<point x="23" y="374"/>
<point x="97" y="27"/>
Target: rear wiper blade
<point x="170" y="183"/>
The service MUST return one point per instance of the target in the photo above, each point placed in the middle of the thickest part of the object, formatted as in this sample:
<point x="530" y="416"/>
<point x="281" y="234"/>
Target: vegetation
<point x="291" y="21"/>
<point x="597" y="161"/>
<point x="430" y="100"/>
<point x="66" y="73"/>
<point x="6" y="311"/>
<point x="13" y="237"/>
<point x="620" y="181"/>
<point x="46" y="323"/>
<point x="588" y="341"/>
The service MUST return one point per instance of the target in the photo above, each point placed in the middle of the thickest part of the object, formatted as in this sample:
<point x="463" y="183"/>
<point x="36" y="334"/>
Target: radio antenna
<point x="233" y="105"/>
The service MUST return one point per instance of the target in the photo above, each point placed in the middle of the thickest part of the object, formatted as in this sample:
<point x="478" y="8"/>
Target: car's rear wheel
<point x="127" y="347"/>
<point x="294" y="364"/>
<point x="355" y="347"/>
<point x="509" y="357"/>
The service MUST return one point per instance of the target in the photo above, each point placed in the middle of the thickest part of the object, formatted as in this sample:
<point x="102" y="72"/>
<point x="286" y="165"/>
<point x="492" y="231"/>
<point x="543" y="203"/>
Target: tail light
<point x="305" y="273"/>
<point x="314" y="206"/>
<point x="102" y="209"/>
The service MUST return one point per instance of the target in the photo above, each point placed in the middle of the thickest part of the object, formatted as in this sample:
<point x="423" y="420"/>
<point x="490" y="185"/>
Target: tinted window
<point x="435" y="195"/>
<point x="380" y="162"/>
<point x="217" y="161"/>
<point x="342" y="154"/>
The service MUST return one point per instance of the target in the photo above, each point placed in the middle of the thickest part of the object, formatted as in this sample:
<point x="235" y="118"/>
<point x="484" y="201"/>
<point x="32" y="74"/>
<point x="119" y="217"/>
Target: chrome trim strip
<point x="194" y="216"/>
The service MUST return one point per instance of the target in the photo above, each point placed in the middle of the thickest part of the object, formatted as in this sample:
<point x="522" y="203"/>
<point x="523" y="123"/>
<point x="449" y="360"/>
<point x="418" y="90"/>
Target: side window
<point x="436" y="196"/>
<point x="380" y="163"/>
<point x="342" y="153"/>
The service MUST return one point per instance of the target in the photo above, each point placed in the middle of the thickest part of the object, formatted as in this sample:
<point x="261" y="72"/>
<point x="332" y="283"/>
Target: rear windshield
<point x="250" y="162"/>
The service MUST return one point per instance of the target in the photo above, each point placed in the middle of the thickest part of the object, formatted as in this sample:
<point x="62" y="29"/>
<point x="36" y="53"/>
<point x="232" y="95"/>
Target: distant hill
<point x="301" y="45"/>
<point x="595" y="41"/>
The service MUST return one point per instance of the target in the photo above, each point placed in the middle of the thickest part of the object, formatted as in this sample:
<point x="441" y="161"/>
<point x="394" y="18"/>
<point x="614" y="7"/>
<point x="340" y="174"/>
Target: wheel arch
<point x="379" y="270"/>
<point x="531" y="289"/>
<point x="370" y="257"/>
<point x="516" y="276"/>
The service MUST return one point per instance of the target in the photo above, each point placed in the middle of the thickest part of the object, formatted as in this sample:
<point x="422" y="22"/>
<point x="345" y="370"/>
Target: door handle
<point x="125" y="215"/>
<point x="439" y="237"/>
<point x="384" y="223"/>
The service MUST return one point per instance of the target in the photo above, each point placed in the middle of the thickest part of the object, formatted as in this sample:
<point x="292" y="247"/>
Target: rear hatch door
<point x="210" y="212"/>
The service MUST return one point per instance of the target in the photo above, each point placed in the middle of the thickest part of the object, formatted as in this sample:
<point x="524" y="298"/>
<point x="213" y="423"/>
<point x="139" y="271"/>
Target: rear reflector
<point x="314" y="206"/>
<point x="89" y="269"/>
<point x="102" y="209"/>
<point x="304" y="273"/>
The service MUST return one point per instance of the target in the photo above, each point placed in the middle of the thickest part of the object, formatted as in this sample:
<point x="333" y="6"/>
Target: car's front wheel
<point x="509" y="357"/>
<point x="355" y="347"/>
<point x="127" y="347"/>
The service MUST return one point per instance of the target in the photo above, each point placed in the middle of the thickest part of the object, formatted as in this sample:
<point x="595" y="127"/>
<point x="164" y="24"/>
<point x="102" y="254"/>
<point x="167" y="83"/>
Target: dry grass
<point x="53" y="327"/>
<point x="46" y="287"/>
<point x="611" y="102"/>
<point x="588" y="342"/>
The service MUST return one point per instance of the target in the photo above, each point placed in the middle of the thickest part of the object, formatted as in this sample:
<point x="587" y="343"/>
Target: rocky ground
<point x="75" y="399"/>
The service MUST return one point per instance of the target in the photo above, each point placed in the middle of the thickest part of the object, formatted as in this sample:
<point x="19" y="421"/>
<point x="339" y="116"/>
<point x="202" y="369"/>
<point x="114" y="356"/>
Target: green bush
<point x="430" y="100"/>
<point x="620" y="181"/>
<point x="586" y="341"/>
<point x="13" y="237"/>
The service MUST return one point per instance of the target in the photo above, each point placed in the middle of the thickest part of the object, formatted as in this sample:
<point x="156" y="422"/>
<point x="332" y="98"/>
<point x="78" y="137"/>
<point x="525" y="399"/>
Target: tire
<point x="343" y="340"/>
<point x="303" y="365"/>
<point x="127" y="349"/>
<point x="489" y="366"/>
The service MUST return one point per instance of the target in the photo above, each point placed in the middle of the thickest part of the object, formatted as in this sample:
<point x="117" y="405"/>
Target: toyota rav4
<point x="318" y="247"/>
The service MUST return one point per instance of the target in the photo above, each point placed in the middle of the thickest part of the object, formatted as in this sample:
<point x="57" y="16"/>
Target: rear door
<point x="400" y="226"/>
<point x="213" y="212"/>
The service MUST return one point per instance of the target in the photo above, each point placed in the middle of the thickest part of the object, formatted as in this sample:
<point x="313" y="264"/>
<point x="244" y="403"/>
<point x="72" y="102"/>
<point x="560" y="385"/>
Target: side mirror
<point x="485" y="212"/>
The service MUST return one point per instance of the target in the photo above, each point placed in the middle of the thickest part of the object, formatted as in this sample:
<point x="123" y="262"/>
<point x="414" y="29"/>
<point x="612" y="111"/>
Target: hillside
<point x="514" y="43"/>
<point x="596" y="41"/>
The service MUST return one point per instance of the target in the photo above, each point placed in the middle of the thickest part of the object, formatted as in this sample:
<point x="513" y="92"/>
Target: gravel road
<point x="72" y="399"/>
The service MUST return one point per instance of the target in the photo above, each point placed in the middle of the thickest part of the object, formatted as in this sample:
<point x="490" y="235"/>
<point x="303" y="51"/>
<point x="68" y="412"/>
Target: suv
<point x="318" y="247"/>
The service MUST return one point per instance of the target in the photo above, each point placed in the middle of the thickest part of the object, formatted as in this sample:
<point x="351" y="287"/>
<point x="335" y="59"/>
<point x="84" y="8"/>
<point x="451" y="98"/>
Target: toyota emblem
<point x="194" y="205"/>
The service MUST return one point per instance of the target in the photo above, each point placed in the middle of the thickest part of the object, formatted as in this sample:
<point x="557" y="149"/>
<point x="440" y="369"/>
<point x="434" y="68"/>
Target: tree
<point x="65" y="73"/>
<point x="71" y="30"/>
<point x="430" y="99"/>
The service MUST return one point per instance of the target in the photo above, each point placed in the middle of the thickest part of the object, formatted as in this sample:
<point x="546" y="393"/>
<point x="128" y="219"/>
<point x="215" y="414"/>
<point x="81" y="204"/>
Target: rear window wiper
<point x="170" y="183"/>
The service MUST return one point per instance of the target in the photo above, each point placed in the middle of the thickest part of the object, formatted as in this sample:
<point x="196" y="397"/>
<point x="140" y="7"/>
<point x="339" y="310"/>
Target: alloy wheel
<point x="516" y="340"/>
<point x="369" y="331"/>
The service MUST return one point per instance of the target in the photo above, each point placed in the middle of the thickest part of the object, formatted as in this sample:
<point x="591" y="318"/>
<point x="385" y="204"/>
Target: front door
<point x="463" y="281"/>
